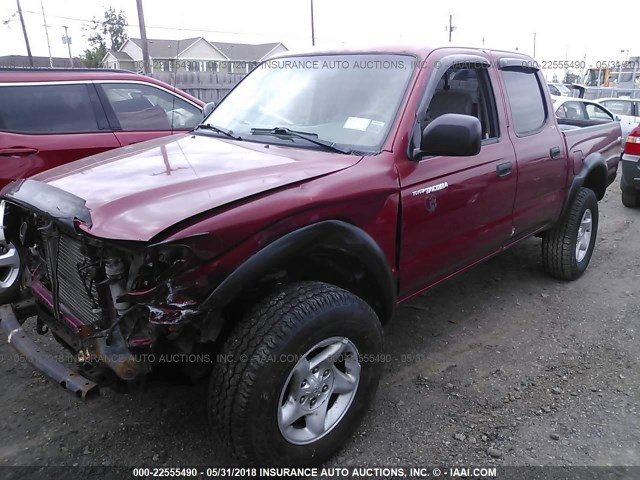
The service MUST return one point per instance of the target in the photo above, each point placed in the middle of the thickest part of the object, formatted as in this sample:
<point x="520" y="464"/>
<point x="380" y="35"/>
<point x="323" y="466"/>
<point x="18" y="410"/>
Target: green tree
<point x="104" y="35"/>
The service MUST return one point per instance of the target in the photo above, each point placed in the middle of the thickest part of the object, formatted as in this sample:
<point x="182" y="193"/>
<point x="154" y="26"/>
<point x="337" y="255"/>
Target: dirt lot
<point x="501" y="366"/>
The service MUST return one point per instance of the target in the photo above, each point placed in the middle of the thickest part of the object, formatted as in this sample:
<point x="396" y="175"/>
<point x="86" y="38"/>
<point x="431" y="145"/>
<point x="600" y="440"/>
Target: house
<point x="243" y="57"/>
<point x="22" y="61"/>
<point x="191" y="54"/>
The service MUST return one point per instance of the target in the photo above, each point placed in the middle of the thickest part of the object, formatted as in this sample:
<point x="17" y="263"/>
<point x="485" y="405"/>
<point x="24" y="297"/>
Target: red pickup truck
<point x="271" y="245"/>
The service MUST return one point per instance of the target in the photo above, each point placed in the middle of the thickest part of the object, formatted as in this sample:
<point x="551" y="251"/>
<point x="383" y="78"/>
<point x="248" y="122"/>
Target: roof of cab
<point x="420" y="51"/>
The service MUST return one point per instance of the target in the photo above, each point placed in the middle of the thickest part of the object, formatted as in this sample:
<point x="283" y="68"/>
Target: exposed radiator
<point x="71" y="290"/>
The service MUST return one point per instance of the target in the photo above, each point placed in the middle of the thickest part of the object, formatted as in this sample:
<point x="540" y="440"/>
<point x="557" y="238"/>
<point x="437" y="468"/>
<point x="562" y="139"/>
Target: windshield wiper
<point x="213" y="128"/>
<point x="308" y="136"/>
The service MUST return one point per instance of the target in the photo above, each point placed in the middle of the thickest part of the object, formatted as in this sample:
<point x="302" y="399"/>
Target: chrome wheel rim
<point x="319" y="391"/>
<point x="584" y="235"/>
<point x="9" y="265"/>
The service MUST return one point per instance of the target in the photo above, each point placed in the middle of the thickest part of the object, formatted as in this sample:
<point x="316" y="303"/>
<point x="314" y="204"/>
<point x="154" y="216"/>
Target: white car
<point x="628" y="109"/>
<point x="574" y="112"/>
<point x="558" y="89"/>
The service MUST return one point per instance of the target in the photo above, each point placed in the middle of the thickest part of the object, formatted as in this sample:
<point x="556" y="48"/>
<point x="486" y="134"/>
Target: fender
<point x="596" y="165"/>
<point x="331" y="234"/>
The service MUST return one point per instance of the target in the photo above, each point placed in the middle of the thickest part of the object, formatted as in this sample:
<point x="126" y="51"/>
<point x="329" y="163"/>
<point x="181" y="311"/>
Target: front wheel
<point x="296" y="376"/>
<point x="567" y="248"/>
<point x="10" y="272"/>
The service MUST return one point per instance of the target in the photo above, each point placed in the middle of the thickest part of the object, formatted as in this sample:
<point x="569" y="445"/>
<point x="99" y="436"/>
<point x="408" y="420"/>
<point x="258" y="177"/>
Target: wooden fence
<point x="208" y="87"/>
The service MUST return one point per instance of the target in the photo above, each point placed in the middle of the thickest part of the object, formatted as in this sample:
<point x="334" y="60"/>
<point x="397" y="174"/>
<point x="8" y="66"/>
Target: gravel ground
<point x="500" y="366"/>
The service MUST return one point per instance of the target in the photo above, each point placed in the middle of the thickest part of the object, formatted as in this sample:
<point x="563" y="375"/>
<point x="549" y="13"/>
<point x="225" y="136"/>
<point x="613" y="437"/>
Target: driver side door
<point x="457" y="210"/>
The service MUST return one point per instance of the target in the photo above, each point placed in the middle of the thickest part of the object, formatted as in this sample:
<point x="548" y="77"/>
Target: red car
<point x="50" y="117"/>
<point x="271" y="245"/>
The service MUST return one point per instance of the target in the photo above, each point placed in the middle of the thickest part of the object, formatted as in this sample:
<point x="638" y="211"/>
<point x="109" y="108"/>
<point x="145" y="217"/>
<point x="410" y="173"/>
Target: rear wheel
<point x="296" y="376"/>
<point x="10" y="270"/>
<point x="567" y="249"/>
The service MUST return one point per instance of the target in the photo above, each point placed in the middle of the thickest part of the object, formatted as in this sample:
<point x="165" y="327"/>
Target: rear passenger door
<point x="44" y="125"/>
<point x="539" y="147"/>
<point x="139" y="111"/>
<point x="456" y="210"/>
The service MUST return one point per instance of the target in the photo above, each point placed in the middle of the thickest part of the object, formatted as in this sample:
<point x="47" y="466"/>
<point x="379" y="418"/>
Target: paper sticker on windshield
<point x="376" y="126"/>
<point x="357" y="123"/>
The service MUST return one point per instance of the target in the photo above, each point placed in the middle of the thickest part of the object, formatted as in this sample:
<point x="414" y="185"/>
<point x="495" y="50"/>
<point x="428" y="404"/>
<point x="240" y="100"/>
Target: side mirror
<point x="452" y="135"/>
<point x="208" y="108"/>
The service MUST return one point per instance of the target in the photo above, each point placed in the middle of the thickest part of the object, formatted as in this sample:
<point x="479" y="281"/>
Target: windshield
<point x="349" y="100"/>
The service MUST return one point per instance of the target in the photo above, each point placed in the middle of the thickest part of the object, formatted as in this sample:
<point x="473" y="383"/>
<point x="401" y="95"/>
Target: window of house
<point x="143" y="107"/>
<point x="526" y="100"/>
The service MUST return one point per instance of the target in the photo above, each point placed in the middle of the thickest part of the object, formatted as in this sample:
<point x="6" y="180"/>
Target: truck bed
<point x="582" y="141"/>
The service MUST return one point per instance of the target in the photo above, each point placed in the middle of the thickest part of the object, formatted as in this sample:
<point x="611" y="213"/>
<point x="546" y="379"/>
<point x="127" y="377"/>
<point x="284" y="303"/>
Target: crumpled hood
<point x="136" y="192"/>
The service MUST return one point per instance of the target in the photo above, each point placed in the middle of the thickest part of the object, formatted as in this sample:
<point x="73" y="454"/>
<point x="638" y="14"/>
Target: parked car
<point x="559" y="89"/>
<point x="50" y="117"/>
<point x="630" y="178"/>
<point x="280" y="235"/>
<point x="627" y="109"/>
<point x="576" y="113"/>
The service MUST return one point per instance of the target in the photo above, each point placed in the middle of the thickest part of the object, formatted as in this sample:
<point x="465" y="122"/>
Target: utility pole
<point x="67" y="39"/>
<point x="24" y="31"/>
<point x="46" y="31"/>
<point x="450" y="28"/>
<point x="143" y="35"/>
<point x="534" y="44"/>
<point x="313" y="30"/>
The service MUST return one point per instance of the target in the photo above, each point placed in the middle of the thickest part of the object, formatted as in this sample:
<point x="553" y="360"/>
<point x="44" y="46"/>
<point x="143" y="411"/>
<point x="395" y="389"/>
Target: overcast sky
<point x="565" y="30"/>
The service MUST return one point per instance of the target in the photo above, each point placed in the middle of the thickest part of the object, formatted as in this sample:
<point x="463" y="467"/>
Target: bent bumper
<point x="66" y="378"/>
<point x="630" y="171"/>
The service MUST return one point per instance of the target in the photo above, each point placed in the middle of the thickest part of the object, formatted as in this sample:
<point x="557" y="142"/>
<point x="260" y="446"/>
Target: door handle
<point x="17" y="151"/>
<point x="503" y="169"/>
<point x="555" y="152"/>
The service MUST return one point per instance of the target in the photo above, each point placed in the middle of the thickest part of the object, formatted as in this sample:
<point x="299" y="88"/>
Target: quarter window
<point x="596" y="112"/>
<point x="526" y="100"/>
<point x="47" y="109"/>
<point x="143" y="107"/>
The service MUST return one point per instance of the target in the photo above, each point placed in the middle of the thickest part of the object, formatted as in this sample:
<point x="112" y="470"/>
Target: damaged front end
<point x="116" y="305"/>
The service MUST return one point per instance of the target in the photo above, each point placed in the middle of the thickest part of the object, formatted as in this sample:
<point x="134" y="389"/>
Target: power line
<point x="85" y="20"/>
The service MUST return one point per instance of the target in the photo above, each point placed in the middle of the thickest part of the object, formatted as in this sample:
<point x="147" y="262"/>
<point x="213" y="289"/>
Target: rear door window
<point x="526" y="100"/>
<point x="619" y="107"/>
<point x="42" y="109"/>
<point x="140" y="107"/>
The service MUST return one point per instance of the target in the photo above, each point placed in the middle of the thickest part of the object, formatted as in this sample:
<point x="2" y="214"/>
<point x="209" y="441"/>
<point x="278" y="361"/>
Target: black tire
<point x="559" y="255"/>
<point x="246" y="386"/>
<point x="630" y="197"/>
<point x="11" y="293"/>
